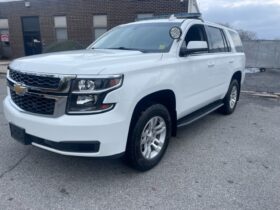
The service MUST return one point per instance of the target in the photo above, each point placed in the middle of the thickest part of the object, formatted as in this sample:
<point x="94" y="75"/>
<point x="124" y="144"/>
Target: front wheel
<point x="231" y="99"/>
<point x="149" y="138"/>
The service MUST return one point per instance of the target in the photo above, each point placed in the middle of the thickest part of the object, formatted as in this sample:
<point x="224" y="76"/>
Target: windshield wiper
<point x="124" y="48"/>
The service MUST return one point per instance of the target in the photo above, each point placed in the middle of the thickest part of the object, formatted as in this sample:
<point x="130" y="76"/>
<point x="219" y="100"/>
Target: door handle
<point x="211" y="65"/>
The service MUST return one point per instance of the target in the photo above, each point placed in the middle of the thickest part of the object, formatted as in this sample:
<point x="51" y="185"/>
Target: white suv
<point x="127" y="93"/>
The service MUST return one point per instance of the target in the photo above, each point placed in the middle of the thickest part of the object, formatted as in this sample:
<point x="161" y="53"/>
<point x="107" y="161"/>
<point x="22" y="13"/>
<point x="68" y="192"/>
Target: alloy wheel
<point x="153" y="137"/>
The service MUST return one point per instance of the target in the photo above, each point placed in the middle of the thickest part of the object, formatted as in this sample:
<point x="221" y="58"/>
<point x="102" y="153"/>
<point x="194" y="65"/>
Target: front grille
<point x="34" y="103"/>
<point x="47" y="82"/>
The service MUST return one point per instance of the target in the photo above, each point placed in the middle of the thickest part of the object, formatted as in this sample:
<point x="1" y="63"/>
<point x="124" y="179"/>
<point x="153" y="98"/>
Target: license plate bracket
<point x="19" y="134"/>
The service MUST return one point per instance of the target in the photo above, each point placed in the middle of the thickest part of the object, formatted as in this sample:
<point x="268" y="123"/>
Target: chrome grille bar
<point x="59" y="94"/>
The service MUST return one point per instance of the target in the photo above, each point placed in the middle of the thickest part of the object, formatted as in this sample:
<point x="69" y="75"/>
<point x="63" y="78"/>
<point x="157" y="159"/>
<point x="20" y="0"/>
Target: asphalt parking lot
<point x="218" y="162"/>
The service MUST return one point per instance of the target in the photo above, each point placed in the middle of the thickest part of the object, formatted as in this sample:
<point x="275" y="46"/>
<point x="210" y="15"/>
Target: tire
<point x="137" y="152"/>
<point x="231" y="99"/>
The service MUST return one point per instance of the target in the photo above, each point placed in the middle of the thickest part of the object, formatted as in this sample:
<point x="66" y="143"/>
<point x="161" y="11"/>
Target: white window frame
<point x="5" y="23"/>
<point x="99" y="26"/>
<point x="60" y="23"/>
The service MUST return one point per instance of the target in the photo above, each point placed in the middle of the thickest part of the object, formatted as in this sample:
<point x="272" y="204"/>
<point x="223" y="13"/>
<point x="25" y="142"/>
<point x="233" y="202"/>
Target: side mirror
<point x="197" y="45"/>
<point x="194" y="47"/>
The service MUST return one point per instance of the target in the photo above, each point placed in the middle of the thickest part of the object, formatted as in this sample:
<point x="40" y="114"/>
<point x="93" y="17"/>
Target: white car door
<point x="195" y="74"/>
<point x="221" y="60"/>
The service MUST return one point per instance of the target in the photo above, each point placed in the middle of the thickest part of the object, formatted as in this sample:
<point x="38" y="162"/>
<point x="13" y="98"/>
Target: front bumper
<point x="110" y="129"/>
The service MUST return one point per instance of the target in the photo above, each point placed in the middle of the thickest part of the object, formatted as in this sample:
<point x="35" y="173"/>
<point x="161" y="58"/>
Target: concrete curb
<point x="262" y="94"/>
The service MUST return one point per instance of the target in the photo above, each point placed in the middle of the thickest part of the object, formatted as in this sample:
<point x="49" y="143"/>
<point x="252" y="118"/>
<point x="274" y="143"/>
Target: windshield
<point x="146" y="37"/>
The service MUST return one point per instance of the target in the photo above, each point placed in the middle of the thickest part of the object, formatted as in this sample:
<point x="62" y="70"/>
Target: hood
<point x="84" y="62"/>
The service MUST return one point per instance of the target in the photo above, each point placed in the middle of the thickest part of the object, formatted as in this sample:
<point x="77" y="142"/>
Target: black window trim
<point x="226" y="40"/>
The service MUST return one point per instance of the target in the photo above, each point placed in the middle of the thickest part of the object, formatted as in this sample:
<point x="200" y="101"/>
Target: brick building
<point x="27" y="27"/>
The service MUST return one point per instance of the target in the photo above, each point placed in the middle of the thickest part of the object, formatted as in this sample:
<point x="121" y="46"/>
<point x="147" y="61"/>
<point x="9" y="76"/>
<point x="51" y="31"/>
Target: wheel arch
<point x="165" y="97"/>
<point x="238" y="76"/>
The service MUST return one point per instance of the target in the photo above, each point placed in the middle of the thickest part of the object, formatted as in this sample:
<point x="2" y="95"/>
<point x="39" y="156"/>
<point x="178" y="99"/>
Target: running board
<point x="199" y="114"/>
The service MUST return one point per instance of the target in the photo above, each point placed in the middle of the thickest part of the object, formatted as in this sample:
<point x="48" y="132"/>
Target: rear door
<point x="221" y="59"/>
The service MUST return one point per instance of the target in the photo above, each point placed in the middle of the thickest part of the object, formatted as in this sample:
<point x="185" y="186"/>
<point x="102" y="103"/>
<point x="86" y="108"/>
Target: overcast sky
<point x="260" y="16"/>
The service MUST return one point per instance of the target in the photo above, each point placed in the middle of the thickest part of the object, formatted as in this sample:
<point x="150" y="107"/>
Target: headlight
<point x="97" y="85"/>
<point x="87" y="94"/>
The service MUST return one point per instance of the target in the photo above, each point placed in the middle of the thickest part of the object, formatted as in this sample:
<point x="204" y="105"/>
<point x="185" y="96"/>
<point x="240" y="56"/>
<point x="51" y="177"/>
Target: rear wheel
<point x="149" y="138"/>
<point x="231" y="99"/>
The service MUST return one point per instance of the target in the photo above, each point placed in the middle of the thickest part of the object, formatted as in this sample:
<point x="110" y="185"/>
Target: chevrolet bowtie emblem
<point x="20" y="89"/>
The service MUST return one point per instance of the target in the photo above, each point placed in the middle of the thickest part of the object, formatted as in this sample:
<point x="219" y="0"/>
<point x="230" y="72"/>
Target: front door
<point x="195" y="72"/>
<point x="31" y="35"/>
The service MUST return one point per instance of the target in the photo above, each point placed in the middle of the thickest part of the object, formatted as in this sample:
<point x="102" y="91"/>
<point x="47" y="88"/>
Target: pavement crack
<point x="13" y="167"/>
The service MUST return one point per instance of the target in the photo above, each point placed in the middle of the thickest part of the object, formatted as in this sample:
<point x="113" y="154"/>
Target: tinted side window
<point x="237" y="41"/>
<point x="216" y="40"/>
<point x="195" y="33"/>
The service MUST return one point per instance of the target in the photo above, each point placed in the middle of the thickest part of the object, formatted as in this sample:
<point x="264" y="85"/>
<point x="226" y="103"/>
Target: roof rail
<point x="183" y="15"/>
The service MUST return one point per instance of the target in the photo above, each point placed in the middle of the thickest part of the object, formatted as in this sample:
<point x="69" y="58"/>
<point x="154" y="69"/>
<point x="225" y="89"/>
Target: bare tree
<point x="247" y="35"/>
<point x="244" y="34"/>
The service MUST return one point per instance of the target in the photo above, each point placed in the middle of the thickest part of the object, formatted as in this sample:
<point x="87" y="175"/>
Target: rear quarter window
<point x="236" y="41"/>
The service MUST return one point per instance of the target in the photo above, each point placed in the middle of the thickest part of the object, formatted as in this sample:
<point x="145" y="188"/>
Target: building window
<point x="4" y="24"/>
<point x="4" y="31"/>
<point x="100" y="24"/>
<point x="144" y="15"/>
<point x="60" y="24"/>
